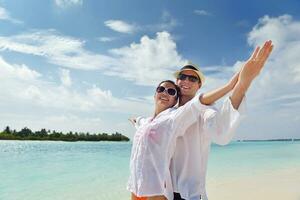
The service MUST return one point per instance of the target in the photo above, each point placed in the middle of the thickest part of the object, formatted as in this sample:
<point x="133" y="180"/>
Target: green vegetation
<point x="43" y="134"/>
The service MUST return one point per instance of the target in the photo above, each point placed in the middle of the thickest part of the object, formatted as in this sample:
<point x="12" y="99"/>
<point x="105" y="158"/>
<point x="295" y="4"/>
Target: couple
<point x="170" y="150"/>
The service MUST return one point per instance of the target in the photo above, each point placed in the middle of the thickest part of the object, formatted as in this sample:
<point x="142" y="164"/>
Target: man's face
<point x="187" y="87"/>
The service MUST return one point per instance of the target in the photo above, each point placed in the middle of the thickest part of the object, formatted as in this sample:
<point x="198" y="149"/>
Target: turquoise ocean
<point x="38" y="170"/>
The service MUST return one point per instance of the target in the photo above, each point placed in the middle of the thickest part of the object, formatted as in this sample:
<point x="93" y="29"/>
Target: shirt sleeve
<point x="139" y="121"/>
<point x="221" y="124"/>
<point x="188" y="114"/>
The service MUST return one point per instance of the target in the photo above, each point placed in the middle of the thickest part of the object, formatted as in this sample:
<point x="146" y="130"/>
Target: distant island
<point x="43" y="134"/>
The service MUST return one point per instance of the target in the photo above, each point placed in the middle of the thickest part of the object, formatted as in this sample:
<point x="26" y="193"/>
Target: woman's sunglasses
<point x="190" y="78"/>
<point x="170" y="91"/>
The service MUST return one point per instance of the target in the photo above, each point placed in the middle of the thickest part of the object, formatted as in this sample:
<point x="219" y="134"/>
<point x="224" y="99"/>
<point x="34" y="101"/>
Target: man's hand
<point x="255" y="63"/>
<point x="249" y="71"/>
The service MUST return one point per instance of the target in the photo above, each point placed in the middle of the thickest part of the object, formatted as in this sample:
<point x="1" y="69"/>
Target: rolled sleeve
<point x="188" y="114"/>
<point x="221" y="124"/>
<point x="139" y="121"/>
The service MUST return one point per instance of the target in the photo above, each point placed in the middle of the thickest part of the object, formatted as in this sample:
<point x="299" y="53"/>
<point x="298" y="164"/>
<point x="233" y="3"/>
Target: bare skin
<point x="210" y="97"/>
<point x="133" y="197"/>
<point x="163" y="100"/>
<point x="188" y="89"/>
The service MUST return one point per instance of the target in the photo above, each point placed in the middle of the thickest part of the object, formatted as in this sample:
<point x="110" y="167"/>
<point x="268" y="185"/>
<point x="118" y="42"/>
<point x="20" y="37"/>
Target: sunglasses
<point x="170" y="91"/>
<point x="190" y="77"/>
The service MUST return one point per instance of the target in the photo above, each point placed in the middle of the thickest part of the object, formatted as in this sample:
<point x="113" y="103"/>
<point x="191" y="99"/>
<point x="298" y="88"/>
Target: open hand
<point x="132" y="120"/>
<point x="256" y="62"/>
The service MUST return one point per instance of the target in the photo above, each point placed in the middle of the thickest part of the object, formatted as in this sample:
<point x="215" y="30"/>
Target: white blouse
<point x="152" y="148"/>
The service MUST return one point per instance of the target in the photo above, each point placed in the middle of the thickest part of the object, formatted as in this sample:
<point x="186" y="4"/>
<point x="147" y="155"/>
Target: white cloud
<point x="41" y="93"/>
<point x="120" y="26"/>
<point x="144" y="63"/>
<point x="106" y="39"/>
<point x="100" y="96"/>
<point x="27" y="99"/>
<point x="4" y="15"/>
<point x="167" y="23"/>
<point x="67" y="3"/>
<point x="284" y="32"/>
<point x="65" y="77"/>
<point x="149" y="61"/>
<point x="21" y="72"/>
<point x="202" y="12"/>
<point x="57" y="49"/>
<point x="274" y="96"/>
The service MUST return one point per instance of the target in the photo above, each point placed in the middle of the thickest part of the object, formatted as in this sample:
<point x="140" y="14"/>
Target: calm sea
<point x="38" y="170"/>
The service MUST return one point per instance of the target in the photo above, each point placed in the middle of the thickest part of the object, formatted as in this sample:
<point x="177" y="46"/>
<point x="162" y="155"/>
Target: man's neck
<point x="184" y="98"/>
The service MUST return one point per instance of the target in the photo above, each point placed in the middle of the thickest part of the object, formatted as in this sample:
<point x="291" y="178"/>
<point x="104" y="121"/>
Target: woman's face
<point x="163" y="99"/>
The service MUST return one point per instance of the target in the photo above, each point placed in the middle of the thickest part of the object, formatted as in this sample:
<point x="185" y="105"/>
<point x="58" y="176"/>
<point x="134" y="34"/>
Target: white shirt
<point x="186" y="164"/>
<point x="152" y="148"/>
<point x="189" y="162"/>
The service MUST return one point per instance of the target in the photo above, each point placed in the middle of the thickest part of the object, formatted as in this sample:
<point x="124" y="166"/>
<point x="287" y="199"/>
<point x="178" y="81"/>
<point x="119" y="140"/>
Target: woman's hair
<point x="173" y="83"/>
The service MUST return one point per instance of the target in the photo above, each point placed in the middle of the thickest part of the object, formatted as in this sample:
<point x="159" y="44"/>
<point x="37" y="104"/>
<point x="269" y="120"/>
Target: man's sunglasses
<point x="170" y="91"/>
<point x="190" y="77"/>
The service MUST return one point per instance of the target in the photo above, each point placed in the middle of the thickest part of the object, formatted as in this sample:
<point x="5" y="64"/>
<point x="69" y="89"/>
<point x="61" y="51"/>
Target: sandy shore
<point x="271" y="185"/>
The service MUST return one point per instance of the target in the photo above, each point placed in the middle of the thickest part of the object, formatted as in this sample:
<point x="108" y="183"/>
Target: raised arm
<point x="210" y="97"/>
<point x="249" y="71"/>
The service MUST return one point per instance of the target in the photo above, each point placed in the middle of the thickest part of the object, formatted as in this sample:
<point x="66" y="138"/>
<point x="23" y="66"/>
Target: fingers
<point x="267" y="49"/>
<point x="264" y="50"/>
<point x="254" y="55"/>
<point x="270" y="50"/>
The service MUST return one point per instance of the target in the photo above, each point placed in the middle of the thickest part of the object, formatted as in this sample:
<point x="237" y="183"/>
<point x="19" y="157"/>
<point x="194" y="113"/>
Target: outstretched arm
<point x="248" y="73"/>
<point x="211" y="97"/>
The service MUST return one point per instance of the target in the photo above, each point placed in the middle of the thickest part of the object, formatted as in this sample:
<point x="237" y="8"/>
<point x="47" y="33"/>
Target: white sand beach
<point x="272" y="185"/>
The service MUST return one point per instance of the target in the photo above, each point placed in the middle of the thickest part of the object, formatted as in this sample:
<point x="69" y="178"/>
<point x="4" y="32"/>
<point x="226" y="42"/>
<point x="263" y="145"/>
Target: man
<point x="189" y="163"/>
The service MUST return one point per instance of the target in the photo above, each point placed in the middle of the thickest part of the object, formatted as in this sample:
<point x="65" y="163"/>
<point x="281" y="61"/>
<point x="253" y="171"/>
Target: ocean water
<point x="38" y="170"/>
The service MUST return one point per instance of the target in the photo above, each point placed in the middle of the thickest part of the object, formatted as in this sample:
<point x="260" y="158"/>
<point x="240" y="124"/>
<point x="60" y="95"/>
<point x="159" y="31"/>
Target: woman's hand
<point x="132" y="120"/>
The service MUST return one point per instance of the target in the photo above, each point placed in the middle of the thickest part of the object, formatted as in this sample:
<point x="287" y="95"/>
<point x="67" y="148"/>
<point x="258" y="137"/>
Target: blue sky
<point x="89" y="65"/>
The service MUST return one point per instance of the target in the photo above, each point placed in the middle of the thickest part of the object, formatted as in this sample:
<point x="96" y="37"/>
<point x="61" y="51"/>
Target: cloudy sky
<point x="85" y="65"/>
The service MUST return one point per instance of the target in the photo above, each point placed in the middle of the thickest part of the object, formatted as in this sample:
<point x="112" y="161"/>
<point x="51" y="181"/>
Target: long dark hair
<point x="173" y="83"/>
